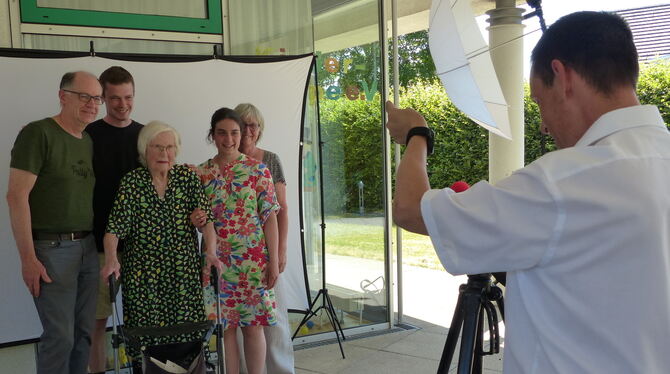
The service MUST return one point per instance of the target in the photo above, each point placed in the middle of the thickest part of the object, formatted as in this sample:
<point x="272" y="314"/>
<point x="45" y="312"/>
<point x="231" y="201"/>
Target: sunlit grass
<point x="365" y="239"/>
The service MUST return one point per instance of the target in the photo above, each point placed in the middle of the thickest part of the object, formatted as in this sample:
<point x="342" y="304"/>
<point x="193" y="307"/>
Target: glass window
<point x="278" y="27"/>
<point x="346" y="42"/>
<point x="349" y="85"/>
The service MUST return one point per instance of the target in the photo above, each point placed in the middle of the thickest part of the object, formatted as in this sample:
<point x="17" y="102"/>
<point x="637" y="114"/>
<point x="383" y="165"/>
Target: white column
<point x="506" y="44"/>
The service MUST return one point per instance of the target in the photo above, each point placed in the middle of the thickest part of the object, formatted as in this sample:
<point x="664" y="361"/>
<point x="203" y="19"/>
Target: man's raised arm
<point x="412" y="176"/>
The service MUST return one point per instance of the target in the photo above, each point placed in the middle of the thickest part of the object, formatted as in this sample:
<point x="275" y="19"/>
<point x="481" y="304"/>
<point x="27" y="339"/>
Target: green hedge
<point x="654" y="86"/>
<point x="353" y="147"/>
<point x="352" y="152"/>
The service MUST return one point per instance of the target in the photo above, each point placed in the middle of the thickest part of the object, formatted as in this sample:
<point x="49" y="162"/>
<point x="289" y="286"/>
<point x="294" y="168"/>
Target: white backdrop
<point x="183" y="95"/>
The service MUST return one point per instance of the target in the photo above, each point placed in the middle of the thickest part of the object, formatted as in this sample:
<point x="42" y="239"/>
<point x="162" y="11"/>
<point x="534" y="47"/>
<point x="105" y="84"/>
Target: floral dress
<point x="242" y="198"/>
<point x="162" y="264"/>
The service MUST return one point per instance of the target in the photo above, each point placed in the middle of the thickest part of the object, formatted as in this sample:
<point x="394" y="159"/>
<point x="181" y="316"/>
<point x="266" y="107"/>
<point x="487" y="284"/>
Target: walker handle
<point x="113" y="288"/>
<point x="214" y="278"/>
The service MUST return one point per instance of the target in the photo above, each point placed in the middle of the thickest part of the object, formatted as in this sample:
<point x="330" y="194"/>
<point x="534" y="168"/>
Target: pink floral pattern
<point x="242" y="197"/>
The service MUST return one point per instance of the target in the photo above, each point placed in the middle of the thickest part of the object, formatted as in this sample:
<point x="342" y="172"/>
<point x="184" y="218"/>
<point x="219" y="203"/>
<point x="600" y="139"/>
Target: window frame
<point x="212" y="24"/>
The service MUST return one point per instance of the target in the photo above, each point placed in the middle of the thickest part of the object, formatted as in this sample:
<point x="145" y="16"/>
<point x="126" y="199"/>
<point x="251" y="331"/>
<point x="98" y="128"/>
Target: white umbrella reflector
<point x="463" y="63"/>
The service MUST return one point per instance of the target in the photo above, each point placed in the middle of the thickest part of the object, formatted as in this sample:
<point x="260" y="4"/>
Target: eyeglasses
<point x="85" y="98"/>
<point x="161" y="148"/>
<point x="252" y="126"/>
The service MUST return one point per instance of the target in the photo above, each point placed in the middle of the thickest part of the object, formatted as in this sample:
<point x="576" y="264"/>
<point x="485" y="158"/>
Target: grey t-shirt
<point x="274" y="164"/>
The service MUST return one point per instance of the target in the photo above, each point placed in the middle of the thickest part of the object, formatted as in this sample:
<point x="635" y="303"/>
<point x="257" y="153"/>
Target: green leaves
<point x="352" y="135"/>
<point x="654" y="86"/>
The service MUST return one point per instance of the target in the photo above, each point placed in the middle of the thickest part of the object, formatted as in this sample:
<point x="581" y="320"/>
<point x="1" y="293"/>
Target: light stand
<point x="326" y="303"/>
<point x="475" y="300"/>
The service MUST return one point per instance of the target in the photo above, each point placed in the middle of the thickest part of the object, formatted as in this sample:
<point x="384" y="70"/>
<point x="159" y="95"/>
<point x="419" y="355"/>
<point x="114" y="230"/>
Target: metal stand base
<point x="327" y="305"/>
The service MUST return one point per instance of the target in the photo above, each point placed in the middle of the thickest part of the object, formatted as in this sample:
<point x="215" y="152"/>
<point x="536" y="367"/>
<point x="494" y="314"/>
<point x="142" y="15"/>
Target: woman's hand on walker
<point x="111" y="267"/>
<point x="210" y="260"/>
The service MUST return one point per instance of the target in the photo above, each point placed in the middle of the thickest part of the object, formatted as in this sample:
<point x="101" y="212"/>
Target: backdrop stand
<point x="326" y="302"/>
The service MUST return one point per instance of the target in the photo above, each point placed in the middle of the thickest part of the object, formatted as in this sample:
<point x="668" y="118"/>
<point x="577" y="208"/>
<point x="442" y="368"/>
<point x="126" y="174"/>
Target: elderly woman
<point x="243" y="202"/>
<point x="280" y="348"/>
<point x="161" y="272"/>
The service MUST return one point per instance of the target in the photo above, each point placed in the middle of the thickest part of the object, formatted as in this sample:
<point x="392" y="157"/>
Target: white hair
<point x="149" y="132"/>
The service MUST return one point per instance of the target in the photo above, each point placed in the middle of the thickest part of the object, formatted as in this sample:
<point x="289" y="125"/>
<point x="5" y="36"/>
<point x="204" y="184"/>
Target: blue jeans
<point x="66" y="306"/>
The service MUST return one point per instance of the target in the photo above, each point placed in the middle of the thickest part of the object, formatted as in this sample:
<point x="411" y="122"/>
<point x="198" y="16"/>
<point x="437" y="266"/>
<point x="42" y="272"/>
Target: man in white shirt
<point x="583" y="232"/>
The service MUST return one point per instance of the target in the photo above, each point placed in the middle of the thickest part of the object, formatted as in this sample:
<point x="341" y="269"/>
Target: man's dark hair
<point x="220" y="115"/>
<point x="67" y="80"/>
<point x="597" y="45"/>
<point x="115" y="75"/>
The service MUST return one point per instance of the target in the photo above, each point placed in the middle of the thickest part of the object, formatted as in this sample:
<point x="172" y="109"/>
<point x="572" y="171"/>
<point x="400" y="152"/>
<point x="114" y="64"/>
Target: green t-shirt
<point x="62" y="198"/>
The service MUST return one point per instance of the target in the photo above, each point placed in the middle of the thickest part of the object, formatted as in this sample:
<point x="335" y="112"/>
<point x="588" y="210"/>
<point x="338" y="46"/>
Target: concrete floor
<point x="429" y="300"/>
<point x="414" y="351"/>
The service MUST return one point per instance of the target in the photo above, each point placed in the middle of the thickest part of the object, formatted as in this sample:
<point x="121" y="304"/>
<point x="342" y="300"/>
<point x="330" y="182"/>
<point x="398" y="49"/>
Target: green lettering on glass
<point x="369" y="92"/>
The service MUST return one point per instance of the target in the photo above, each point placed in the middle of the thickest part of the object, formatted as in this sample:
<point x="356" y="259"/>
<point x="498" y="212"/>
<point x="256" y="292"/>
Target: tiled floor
<point x="414" y="351"/>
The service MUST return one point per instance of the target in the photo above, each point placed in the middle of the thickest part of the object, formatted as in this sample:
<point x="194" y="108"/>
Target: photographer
<point x="583" y="232"/>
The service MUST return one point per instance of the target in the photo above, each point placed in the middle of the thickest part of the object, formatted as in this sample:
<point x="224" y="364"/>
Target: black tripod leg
<point x="479" y="344"/>
<point x="330" y="312"/>
<point x="501" y="308"/>
<point x="471" y="315"/>
<point x="308" y="315"/>
<point x="452" y="337"/>
<point x="304" y="320"/>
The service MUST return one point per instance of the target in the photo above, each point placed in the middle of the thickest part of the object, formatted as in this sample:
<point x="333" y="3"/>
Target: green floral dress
<point x="242" y="198"/>
<point x="162" y="264"/>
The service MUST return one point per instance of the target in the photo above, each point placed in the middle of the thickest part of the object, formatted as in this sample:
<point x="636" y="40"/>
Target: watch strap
<point x="426" y="132"/>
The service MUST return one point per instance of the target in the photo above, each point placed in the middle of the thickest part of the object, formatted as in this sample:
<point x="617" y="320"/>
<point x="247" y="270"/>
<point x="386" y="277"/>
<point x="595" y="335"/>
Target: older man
<point x="49" y="196"/>
<point x="583" y="232"/>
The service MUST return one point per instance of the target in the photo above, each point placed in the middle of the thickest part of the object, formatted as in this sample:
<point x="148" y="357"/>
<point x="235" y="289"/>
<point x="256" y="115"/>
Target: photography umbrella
<point x="463" y="63"/>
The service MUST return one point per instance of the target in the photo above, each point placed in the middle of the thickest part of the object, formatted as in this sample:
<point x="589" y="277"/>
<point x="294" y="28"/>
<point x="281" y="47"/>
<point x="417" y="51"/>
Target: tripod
<point x="327" y="305"/>
<point x="475" y="300"/>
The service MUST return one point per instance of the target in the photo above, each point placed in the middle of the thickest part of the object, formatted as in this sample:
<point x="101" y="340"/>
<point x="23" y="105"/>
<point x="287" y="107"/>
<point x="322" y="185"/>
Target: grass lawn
<point x="364" y="238"/>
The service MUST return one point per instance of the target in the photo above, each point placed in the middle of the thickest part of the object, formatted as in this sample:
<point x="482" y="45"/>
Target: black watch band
<point x="426" y="132"/>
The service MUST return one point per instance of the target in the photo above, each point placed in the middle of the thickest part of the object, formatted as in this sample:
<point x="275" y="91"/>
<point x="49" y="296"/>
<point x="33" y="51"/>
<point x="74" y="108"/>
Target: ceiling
<point x="340" y="24"/>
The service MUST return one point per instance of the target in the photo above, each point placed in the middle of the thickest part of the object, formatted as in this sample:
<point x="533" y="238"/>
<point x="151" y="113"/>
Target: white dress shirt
<point x="584" y="234"/>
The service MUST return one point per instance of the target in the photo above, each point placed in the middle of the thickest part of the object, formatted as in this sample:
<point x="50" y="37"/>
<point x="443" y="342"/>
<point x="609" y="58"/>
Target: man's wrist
<point x="425" y="132"/>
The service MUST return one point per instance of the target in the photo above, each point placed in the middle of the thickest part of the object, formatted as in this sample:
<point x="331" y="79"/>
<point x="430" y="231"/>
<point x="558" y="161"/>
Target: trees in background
<point x="351" y="128"/>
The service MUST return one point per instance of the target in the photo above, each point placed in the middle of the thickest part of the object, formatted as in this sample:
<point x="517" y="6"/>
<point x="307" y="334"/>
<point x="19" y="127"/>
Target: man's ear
<point x="61" y="96"/>
<point x="563" y="76"/>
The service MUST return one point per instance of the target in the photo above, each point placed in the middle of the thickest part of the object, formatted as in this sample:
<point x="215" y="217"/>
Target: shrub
<point x="353" y="142"/>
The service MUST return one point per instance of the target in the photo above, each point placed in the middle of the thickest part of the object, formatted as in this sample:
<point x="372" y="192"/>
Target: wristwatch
<point x="426" y="132"/>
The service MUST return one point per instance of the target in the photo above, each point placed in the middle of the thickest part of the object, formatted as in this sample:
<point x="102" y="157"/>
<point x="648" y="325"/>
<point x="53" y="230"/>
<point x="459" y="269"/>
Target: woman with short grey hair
<point x="279" y="358"/>
<point x="162" y="265"/>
